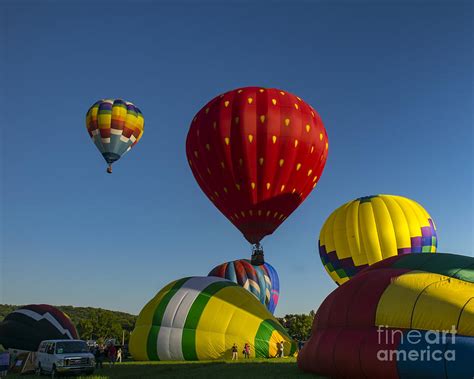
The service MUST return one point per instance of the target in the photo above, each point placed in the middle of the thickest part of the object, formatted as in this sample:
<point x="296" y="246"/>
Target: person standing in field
<point x="99" y="356"/>
<point x="234" y="352"/>
<point x="282" y="353"/>
<point x="112" y="353"/>
<point x="277" y="355"/>
<point x="119" y="355"/>
<point x="4" y="363"/>
<point x="246" y="350"/>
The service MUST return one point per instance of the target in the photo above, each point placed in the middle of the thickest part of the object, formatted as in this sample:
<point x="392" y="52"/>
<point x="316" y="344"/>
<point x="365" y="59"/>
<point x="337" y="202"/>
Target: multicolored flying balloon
<point x="257" y="153"/>
<point x="115" y="126"/>
<point x="261" y="280"/>
<point x="408" y="316"/>
<point x="369" y="229"/>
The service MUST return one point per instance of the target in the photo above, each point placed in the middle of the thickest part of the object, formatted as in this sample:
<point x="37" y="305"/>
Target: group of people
<point x="107" y="353"/>
<point x="280" y="350"/>
<point x="246" y="352"/>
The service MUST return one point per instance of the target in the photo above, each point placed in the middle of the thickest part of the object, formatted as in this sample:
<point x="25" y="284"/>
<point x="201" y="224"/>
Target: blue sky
<point x="391" y="81"/>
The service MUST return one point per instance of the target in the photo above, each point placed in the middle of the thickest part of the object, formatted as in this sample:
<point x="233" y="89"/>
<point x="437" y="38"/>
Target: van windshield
<point x="68" y="347"/>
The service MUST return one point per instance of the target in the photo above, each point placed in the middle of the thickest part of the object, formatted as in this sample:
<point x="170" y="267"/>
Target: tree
<point x="85" y="329"/>
<point x="298" y="325"/>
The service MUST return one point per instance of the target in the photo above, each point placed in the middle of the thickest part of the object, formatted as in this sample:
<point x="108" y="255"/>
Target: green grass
<point x="251" y="368"/>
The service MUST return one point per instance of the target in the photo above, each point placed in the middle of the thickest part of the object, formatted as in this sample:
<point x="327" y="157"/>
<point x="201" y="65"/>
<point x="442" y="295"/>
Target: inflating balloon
<point x="261" y="280"/>
<point x="115" y="126"/>
<point x="369" y="229"/>
<point x="200" y="318"/>
<point x="409" y="316"/>
<point x="257" y="153"/>
<point x="26" y="327"/>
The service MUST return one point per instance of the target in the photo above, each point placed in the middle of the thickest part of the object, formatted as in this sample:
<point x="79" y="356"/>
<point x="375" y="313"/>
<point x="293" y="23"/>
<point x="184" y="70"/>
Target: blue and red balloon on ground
<point x="388" y="321"/>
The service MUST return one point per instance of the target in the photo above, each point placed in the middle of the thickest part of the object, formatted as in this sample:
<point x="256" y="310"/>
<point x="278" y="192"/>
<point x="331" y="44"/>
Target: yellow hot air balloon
<point x="368" y="229"/>
<point x="200" y="318"/>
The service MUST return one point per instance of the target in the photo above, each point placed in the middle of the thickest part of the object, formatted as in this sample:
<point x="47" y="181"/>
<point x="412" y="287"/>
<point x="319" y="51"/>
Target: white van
<point x="63" y="357"/>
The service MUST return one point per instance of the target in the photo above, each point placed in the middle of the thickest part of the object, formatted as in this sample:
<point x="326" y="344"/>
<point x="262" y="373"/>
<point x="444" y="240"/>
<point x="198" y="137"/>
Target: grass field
<point x="248" y="369"/>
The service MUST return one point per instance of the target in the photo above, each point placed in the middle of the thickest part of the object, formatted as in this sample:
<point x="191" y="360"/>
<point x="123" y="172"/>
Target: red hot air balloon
<point x="257" y="153"/>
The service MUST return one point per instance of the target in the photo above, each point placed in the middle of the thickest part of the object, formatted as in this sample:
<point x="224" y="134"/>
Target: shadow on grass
<point x="253" y="368"/>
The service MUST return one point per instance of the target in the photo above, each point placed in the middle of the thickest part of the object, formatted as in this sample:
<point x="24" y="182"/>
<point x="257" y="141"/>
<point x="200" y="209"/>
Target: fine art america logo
<point x="430" y="345"/>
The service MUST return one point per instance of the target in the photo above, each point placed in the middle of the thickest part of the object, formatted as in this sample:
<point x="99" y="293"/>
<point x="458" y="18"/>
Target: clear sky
<point x="392" y="82"/>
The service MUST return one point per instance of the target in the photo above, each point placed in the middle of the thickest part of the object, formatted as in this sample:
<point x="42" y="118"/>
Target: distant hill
<point x="91" y="323"/>
<point x="97" y="323"/>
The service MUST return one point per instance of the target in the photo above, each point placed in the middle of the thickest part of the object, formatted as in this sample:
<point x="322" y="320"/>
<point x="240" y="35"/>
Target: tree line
<point x="298" y="325"/>
<point x="97" y="323"/>
<point x="92" y="323"/>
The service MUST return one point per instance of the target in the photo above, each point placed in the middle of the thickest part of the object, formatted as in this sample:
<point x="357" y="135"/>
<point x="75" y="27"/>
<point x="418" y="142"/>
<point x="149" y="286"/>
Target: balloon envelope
<point x="257" y="153"/>
<point x="397" y="308"/>
<point x="200" y="318"/>
<point x="26" y="327"/>
<point x="369" y="229"/>
<point x="115" y="126"/>
<point x="262" y="281"/>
